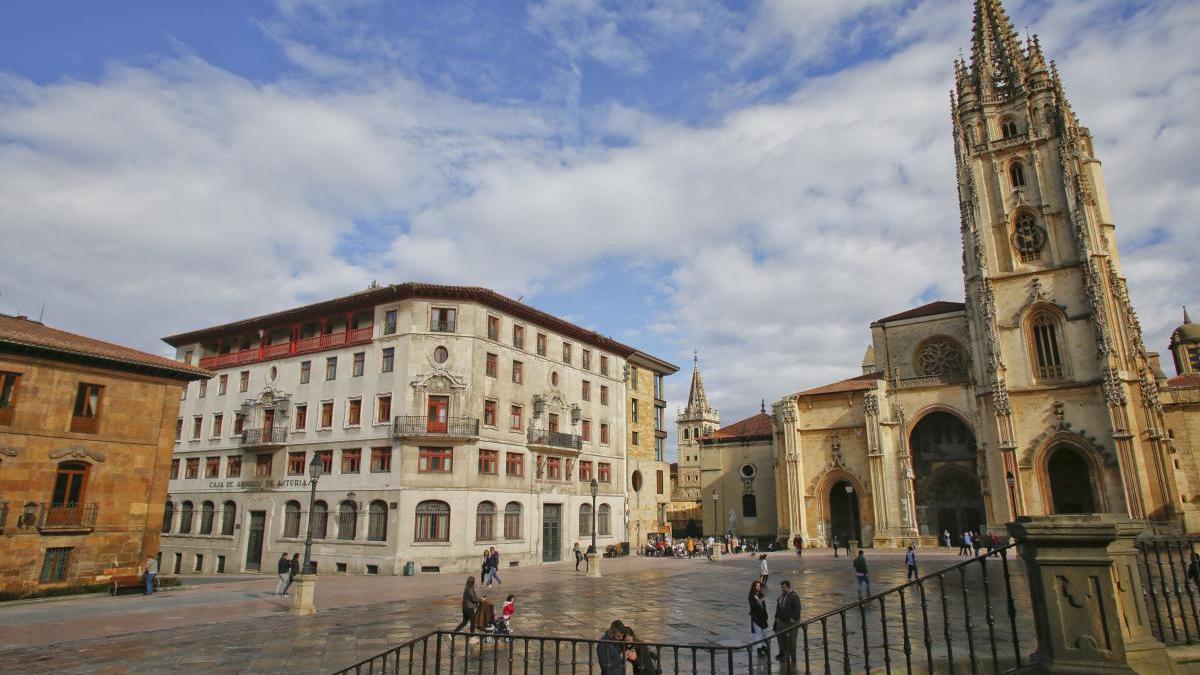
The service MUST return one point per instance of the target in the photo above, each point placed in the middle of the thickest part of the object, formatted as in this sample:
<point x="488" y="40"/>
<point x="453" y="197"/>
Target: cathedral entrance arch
<point x="845" y="519"/>
<point x="1071" y="481"/>
<point x="945" y="475"/>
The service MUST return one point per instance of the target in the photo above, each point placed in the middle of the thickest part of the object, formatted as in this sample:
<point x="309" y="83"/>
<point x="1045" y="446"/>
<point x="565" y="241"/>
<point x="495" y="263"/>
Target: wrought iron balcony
<point x="261" y="437"/>
<point x="420" y="426"/>
<point x="555" y="439"/>
<point x="67" y="517"/>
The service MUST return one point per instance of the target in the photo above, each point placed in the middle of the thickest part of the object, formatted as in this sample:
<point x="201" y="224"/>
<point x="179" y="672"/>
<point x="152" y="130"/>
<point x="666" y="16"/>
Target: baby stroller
<point x="492" y="625"/>
<point x="497" y="631"/>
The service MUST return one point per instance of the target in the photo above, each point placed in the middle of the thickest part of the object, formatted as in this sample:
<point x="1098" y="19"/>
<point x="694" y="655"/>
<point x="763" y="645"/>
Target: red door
<point x="268" y="420"/>
<point x="439" y="410"/>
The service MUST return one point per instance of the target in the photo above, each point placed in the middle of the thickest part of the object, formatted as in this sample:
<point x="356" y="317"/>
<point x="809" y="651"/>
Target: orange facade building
<point x="86" y="433"/>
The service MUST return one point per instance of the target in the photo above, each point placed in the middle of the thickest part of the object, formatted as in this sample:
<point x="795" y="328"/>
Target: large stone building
<point x="447" y="419"/>
<point x="648" y="473"/>
<point x="86" y="430"/>
<point x="1037" y="395"/>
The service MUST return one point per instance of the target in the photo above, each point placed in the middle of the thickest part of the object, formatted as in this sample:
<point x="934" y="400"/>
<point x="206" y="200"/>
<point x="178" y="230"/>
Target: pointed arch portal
<point x="946" y="481"/>
<point x="1071" y="481"/>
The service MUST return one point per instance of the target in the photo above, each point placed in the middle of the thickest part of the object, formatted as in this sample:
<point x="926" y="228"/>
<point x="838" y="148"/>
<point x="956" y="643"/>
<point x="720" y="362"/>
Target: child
<point x="508" y="609"/>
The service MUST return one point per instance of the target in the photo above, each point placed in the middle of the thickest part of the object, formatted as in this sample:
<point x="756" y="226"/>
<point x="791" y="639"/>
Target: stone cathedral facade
<point x="1036" y="395"/>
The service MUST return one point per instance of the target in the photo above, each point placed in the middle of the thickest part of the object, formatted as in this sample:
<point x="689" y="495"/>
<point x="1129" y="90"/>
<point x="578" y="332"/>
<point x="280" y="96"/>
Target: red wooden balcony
<point x="302" y="346"/>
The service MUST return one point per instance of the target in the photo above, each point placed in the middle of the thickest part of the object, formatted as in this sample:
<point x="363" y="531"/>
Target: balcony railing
<point x="410" y="426"/>
<point x="300" y="346"/>
<point x="264" y="436"/>
<point x="67" y="517"/>
<point x="555" y="439"/>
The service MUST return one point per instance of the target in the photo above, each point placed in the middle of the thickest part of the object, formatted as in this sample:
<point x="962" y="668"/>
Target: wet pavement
<point x="237" y="626"/>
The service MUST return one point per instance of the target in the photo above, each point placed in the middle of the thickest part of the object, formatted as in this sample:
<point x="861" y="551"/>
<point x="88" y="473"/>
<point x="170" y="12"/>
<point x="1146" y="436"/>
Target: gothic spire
<point x="1186" y="318"/>
<point x="997" y="64"/>
<point x="697" y="400"/>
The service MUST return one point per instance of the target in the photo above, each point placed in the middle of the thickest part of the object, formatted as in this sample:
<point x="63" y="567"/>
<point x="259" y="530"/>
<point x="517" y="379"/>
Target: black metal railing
<point x="1170" y="569"/>
<point x="406" y="426"/>
<point x="555" y="439"/>
<point x="264" y="436"/>
<point x="67" y="516"/>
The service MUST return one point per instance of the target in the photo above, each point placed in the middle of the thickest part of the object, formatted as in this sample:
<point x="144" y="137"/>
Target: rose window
<point x="1029" y="238"/>
<point x="940" y="356"/>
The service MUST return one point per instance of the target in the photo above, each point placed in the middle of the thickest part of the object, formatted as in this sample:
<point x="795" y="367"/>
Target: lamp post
<point x="306" y="581"/>
<point x="314" y="472"/>
<point x="716" y="514"/>
<point x="850" y="512"/>
<point x="593" y="553"/>
<point x="1012" y="492"/>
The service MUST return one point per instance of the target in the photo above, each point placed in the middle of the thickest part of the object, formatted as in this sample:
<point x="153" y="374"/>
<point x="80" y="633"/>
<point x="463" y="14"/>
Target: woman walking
<point x="758" y="616"/>
<point x="470" y="603"/>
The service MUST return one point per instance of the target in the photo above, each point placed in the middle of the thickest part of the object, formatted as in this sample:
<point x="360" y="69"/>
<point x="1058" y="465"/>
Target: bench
<point x="132" y="582"/>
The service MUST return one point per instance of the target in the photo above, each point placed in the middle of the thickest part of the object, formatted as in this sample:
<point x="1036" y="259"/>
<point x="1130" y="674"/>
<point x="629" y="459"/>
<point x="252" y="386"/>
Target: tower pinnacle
<point x="697" y="400"/>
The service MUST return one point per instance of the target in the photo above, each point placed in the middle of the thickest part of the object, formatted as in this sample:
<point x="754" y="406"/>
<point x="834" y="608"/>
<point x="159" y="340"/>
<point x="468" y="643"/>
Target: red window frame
<point x="192" y="468"/>
<point x="514" y="464"/>
<point x="489" y="413"/>
<point x="554" y="468"/>
<point x="489" y="462"/>
<point x="492" y="365"/>
<point x="586" y="430"/>
<point x="351" y="460"/>
<point x="233" y="466"/>
<point x="354" y="412"/>
<point x="604" y="472"/>
<point x="604" y="433"/>
<point x="585" y="471"/>
<point x="262" y="465"/>
<point x="212" y="467"/>
<point x="541" y="344"/>
<point x="516" y="418"/>
<point x="295" y="463"/>
<point x="174" y="469"/>
<point x="435" y="460"/>
<point x="383" y="408"/>
<point x="301" y="416"/>
<point x="381" y="460"/>
<point x="326" y="457"/>
<point x="493" y="327"/>
<point x="603" y="394"/>
<point x="518" y="372"/>
<point x="519" y="337"/>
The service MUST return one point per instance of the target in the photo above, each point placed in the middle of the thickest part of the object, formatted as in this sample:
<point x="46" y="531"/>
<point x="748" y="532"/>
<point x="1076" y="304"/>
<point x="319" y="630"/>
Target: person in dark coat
<point x="470" y="603"/>
<point x="787" y="616"/>
<point x="861" y="574"/>
<point x="639" y="655"/>
<point x="295" y="569"/>
<point x="610" y="651"/>
<point x="836" y="543"/>
<point x="910" y="561"/>
<point x="758" y="615"/>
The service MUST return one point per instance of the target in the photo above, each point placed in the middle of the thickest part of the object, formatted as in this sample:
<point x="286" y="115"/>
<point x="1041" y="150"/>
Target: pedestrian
<point x="762" y="569"/>
<point x="995" y="541"/>
<point x="758" y="616"/>
<point x="800" y="546"/>
<point x="787" y="617"/>
<point x="861" y="575"/>
<point x="493" y="575"/>
<point x="578" y="555"/>
<point x="910" y="559"/>
<point x="284" y="568"/>
<point x="946" y="538"/>
<point x="975" y="543"/>
<point x="610" y="650"/>
<point x="483" y="568"/>
<point x="1193" y="570"/>
<point x="293" y="570"/>
<point x="835" y="546"/>
<point x="470" y="603"/>
<point x="507" y="610"/>
<point x="964" y="546"/>
<point x="640" y="656"/>
<point x="151" y="572"/>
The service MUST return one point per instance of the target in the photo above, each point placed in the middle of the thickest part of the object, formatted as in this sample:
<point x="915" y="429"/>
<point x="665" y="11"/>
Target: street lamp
<point x="595" y="487"/>
<point x="314" y="472"/>
<point x="850" y="511"/>
<point x="1012" y="492"/>
<point x="716" y="514"/>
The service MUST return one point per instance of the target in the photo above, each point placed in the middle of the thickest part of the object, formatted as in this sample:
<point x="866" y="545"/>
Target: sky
<point x="753" y="180"/>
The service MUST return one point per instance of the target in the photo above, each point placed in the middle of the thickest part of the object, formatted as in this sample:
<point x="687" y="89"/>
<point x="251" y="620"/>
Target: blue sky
<point x="755" y="180"/>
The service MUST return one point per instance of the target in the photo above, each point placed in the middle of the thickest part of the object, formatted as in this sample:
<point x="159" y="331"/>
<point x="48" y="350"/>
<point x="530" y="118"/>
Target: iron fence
<point x="405" y="426"/>
<point x="264" y="436"/>
<point x="1171" y="586"/>
<point x="557" y="439"/>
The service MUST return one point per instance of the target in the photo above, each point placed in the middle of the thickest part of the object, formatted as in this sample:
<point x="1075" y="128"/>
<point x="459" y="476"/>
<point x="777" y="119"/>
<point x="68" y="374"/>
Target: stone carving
<point x="940" y="356"/>
<point x="8" y="452"/>
<point x="871" y="405"/>
<point x="77" y="452"/>
<point x="835" y="450"/>
<point x="1113" y="392"/>
<point x="1149" y="389"/>
<point x="1079" y="600"/>
<point x="1060" y="412"/>
<point x="1066" y="434"/>
<point x="1000" y="401"/>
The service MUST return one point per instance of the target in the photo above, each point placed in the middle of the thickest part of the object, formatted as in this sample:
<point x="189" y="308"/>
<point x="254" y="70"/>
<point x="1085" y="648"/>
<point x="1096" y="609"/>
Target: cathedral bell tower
<point x="1065" y="393"/>
<point x="697" y="420"/>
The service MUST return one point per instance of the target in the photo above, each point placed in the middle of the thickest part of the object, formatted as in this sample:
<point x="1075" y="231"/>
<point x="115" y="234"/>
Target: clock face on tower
<point x="1029" y="238"/>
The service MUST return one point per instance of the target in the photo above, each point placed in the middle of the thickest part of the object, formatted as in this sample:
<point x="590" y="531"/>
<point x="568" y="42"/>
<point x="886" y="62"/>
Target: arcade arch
<point x="945" y="475"/>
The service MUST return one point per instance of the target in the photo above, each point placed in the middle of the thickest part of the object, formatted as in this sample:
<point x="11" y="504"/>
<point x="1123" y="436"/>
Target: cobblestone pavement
<point x="238" y="627"/>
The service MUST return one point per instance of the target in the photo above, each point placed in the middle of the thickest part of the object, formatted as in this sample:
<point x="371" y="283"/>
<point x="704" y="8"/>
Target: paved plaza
<point x="236" y="626"/>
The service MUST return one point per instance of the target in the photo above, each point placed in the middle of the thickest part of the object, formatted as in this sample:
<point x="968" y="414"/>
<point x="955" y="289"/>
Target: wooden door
<point x="439" y="412"/>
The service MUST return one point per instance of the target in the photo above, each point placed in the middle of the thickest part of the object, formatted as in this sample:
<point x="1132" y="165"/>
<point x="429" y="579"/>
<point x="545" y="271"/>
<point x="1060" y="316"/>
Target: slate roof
<point x="751" y="427"/>
<point x="932" y="309"/>
<point x="860" y="383"/>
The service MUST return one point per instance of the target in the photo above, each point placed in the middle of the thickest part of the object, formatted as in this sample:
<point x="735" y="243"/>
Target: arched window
<point x="695" y="432"/>
<point x="318" y="520"/>
<point x="433" y="521"/>
<point x="602" y="527"/>
<point x="685" y="433"/>
<point x="1008" y="127"/>
<point x="1049" y="361"/>
<point x="749" y="506"/>
<point x="185" y="518"/>
<point x="1016" y="173"/>
<point x="207" y="511"/>
<point x="1029" y="237"/>
<point x="228" y="518"/>
<point x="347" y="520"/>
<point x="291" y="519"/>
<point x="512" y="520"/>
<point x="585" y="520"/>
<point x="168" y="516"/>
<point x="377" y="514"/>
<point x="485" y="521"/>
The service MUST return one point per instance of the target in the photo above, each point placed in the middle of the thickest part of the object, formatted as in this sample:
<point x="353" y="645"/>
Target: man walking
<point x="835" y="546"/>
<point x="151" y="572"/>
<point x="578" y="556"/>
<point x="910" y="559"/>
<point x="787" y="616"/>
<point x="284" y="568"/>
<point x="946" y="538"/>
<point x="964" y="547"/>
<point x="493" y="574"/>
<point x="861" y="575"/>
<point x="293" y="570"/>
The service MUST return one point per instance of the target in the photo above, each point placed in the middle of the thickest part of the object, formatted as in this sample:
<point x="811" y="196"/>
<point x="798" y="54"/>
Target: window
<point x="192" y="468"/>
<point x="222" y="385"/>
<point x="658" y="386"/>
<point x="178" y="429"/>
<point x="587" y="391"/>
<point x="187" y="357"/>
<point x="489" y="413"/>
<point x="295" y="463"/>
<point x="356" y="367"/>
<point x="87" y="408"/>
<point x="233" y="466"/>
<point x="518" y="372"/>
<point x="602" y="521"/>
<point x="633" y="377"/>
<point x="585" y="520"/>
<point x="1029" y="237"/>
<point x="1016" y="173"/>
<point x="567" y="353"/>
<point x="660" y="448"/>
<point x="441" y="355"/>
<point x="203" y="388"/>
<point x="603" y="364"/>
<point x="633" y="410"/>
<point x="183" y="392"/>
<point x="244" y="381"/>
<point x="659" y="477"/>
<point x="331" y="368"/>
<point x="604" y="394"/>
<point x="197" y="427"/>
<point x="262" y="466"/>
<point x="492" y="366"/>
<point x="554" y="377"/>
<point x="174" y="469"/>
<point x="239" y="423"/>
<point x="389" y="322"/>
<point x="55" y="564"/>
<point x="604" y="433"/>
<point x="228" y="516"/>
<point x="514" y="464"/>
<point x="1008" y="127"/>
<point x="441" y="320"/>
<point x="217" y="424"/>
<point x="512" y="521"/>
<point x="435" y="460"/>
<point x="383" y="408"/>
<point x="685" y="433"/>
<point x="305" y="371"/>
<point x="585" y="471"/>
<point x="587" y="359"/>
<point x="291" y="519"/>
<point x="351" y="460"/>
<point x="168" y="516"/>
<point x="605" y="473"/>
<point x="207" y="511"/>
<point x="326" y="414"/>
<point x="212" y="467"/>
<point x="377" y="517"/>
<point x="381" y="460"/>
<point x="633" y="437"/>
<point x="354" y="412"/>
<point x="554" y="468"/>
<point x="389" y="360"/>
<point x="1045" y="343"/>
<point x="318" y="520"/>
<point x="185" y="518"/>
<point x="541" y="344"/>
<point x="433" y="521"/>
<point x="586" y="430"/>
<point x="515" y="421"/>
<point x="485" y="521"/>
<point x="347" y="520"/>
<point x="749" y="506"/>
<point x="493" y="327"/>
<point x="301" y="416"/>
<point x="326" y="459"/>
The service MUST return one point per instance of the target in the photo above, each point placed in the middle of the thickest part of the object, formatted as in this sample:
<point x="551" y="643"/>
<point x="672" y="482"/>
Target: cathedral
<point x="1036" y="395"/>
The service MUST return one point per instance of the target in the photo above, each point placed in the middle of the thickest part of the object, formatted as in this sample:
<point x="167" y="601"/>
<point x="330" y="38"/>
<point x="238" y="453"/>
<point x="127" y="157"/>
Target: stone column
<point x="304" y="591"/>
<point x="1087" y="595"/>
<point x="593" y="564"/>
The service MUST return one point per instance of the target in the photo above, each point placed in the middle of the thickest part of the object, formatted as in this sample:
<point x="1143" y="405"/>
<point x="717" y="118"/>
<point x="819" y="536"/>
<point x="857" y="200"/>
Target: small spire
<point x="763" y="407"/>
<point x="697" y="400"/>
<point x="1186" y="318"/>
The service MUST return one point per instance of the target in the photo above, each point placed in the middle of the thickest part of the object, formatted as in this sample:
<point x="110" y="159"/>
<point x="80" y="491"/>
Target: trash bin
<point x="410" y="569"/>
